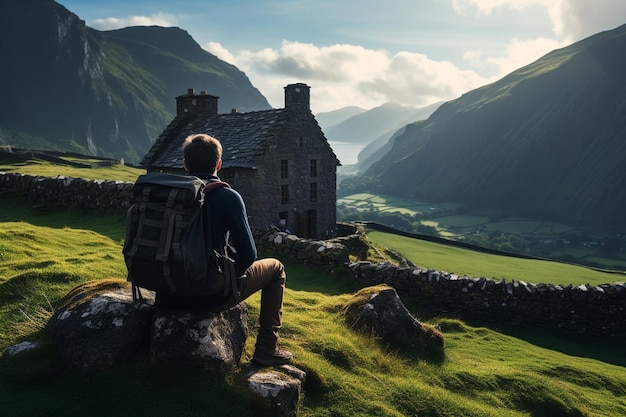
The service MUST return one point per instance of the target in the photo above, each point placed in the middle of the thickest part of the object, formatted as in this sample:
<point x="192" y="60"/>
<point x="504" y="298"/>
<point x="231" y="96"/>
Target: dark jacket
<point x="228" y="214"/>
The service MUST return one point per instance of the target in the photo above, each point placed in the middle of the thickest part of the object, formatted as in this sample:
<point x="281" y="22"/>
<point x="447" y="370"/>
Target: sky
<point x="367" y="52"/>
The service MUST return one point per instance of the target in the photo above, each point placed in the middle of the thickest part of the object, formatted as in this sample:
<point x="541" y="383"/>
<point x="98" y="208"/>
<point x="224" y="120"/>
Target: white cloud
<point x="577" y="19"/>
<point x="414" y="79"/>
<point x="518" y="53"/>
<point x="159" y="19"/>
<point x="219" y="51"/>
<point x="345" y="75"/>
<point x="572" y="20"/>
<point x="488" y="6"/>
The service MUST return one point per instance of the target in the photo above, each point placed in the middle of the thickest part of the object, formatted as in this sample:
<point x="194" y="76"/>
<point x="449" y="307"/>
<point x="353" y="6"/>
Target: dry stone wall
<point x="576" y="309"/>
<point x="579" y="309"/>
<point x="64" y="192"/>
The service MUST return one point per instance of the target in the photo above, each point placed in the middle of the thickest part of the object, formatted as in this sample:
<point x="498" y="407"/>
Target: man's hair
<point x="202" y="153"/>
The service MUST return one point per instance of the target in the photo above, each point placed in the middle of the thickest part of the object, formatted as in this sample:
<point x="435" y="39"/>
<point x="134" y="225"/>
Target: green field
<point x="393" y="204"/>
<point x="465" y="262"/>
<point x="540" y="238"/>
<point x="47" y="169"/>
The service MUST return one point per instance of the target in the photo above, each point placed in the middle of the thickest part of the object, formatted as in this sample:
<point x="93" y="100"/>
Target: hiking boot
<point x="269" y="357"/>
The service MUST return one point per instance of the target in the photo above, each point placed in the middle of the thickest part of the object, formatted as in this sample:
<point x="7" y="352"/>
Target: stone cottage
<point x="278" y="159"/>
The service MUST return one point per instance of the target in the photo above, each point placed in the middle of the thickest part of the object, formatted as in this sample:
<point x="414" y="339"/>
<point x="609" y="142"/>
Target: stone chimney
<point x="192" y="104"/>
<point x="297" y="96"/>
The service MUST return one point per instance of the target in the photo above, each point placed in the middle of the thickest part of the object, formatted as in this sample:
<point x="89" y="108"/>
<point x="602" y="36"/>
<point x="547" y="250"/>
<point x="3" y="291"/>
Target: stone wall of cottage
<point x="578" y="309"/>
<point x="301" y="141"/>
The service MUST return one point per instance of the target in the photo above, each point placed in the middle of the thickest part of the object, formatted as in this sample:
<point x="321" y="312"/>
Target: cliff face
<point x="69" y="87"/>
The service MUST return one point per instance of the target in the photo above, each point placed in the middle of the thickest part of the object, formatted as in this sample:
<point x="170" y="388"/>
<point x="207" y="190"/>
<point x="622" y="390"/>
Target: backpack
<point x="168" y="246"/>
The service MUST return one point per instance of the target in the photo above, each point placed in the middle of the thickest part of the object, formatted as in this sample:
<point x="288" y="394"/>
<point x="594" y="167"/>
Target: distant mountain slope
<point x="330" y="118"/>
<point x="66" y="86"/>
<point x="366" y="132"/>
<point x="367" y="126"/>
<point x="548" y="139"/>
<point x="381" y="145"/>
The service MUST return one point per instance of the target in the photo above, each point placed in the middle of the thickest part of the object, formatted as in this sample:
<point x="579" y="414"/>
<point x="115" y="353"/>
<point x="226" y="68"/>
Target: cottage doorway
<point x="309" y="224"/>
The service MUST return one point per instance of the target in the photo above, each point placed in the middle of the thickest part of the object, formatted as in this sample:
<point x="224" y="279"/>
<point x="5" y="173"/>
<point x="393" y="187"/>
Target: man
<point x="202" y="157"/>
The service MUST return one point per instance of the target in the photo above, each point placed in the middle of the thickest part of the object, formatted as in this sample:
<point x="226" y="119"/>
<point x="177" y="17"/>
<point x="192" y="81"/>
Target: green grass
<point x="475" y="264"/>
<point x="484" y="373"/>
<point x="47" y="169"/>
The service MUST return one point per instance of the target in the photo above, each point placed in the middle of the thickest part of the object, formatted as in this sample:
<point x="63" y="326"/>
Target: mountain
<point x="66" y="86"/>
<point x="380" y="146"/>
<point x="327" y="119"/>
<point x="547" y="139"/>
<point x="367" y="126"/>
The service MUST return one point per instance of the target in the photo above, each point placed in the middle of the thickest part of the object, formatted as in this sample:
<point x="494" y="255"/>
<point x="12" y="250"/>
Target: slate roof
<point x="244" y="137"/>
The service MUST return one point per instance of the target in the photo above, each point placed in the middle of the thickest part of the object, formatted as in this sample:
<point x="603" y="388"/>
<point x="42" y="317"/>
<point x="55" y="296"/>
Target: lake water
<point x="346" y="152"/>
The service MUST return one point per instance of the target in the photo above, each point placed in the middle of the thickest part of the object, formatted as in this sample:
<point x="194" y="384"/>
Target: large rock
<point x="210" y="341"/>
<point x="98" y="325"/>
<point x="278" y="389"/>
<point x="378" y="311"/>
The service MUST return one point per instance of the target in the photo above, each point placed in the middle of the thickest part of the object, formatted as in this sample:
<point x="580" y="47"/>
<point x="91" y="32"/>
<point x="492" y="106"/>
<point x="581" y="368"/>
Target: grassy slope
<point x="484" y="373"/>
<point x="474" y="264"/>
<point x="47" y="169"/>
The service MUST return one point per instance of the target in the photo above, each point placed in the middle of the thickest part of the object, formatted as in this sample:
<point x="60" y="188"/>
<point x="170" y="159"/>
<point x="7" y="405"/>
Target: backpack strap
<point x="214" y="184"/>
<point x="230" y="273"/>
<point x="137" y="296"/>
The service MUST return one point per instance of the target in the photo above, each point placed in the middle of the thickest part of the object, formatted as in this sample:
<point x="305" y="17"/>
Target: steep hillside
<point x="548" y="139"/>
<point x="66" y="86"/>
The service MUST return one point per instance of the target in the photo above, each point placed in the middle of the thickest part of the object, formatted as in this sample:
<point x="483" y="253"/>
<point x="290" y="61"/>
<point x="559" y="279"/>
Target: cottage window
<point x="313" y="168"/>
<point x="313" y="192"/>
<point x="284" y="194"/>
<point x="284" y="168"/>
<point x="301" y="141"/>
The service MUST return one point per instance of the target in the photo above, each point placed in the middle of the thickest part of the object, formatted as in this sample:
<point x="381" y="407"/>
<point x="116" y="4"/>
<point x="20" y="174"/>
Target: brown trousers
<point x="267" y="275"/>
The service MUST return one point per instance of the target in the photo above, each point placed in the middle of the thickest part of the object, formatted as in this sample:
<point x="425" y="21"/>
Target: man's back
<point x="228" y="214"/>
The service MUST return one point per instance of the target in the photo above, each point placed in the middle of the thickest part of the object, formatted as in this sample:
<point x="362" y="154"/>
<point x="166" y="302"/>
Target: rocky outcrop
<point x="98" y="326"/>
<point x="379" y="312"/>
